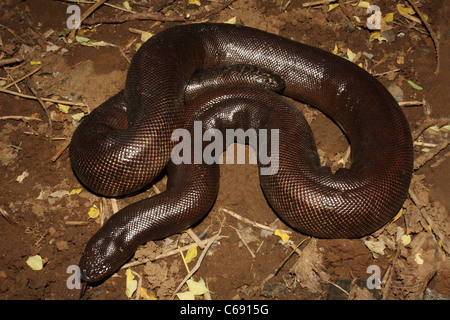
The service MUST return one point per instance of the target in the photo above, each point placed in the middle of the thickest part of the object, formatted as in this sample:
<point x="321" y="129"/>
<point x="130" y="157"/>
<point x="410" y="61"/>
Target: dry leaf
<point x="35" y="262"/>
<point x="22" y="177"/>
<point x="191" y="254"/>
<point x="197" y="288"/>
<point x="131" y="284"/>
<point x="284" y="236"/>
<point x="93" y="212"/>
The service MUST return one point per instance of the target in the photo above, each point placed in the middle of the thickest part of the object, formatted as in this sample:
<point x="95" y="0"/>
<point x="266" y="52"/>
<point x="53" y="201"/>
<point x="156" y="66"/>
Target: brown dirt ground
<point x="30" y="225"/>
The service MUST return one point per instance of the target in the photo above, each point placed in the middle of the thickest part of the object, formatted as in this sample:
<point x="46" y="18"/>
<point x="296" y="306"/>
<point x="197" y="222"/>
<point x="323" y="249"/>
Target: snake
<point x="127" y="142"/>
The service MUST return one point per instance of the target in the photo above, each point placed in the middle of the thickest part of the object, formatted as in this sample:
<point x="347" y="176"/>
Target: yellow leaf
<point x="363" y="4"/>
<point x="332" y="6"/>
<point x="93" y="212"/>
<point x="146" y="35"/>
<point x="374" y="36"/>
<point x="191" y="254"/>
<point x="398" y="215"/>
<point x="185" y="295"/>
<point x="351" y="55"/>
<point x="284" y="236"/>
<point x="145" y="295"/>
<point x="81" y="39"/>
<point x="77" y="116"/>
<point x="126" y="5"/>
<point x="35" y="262"/>
<point x="400" y="60"/>
<point x="138" y="45"/>
<point x="406" y="239"/>
<point x="389" y="17"/>
<point x="131" y="285"/>
<point x="231" y="21"/>
<point x="197" y="288"/>
<point x="75" y="191"/>
<point x="335" y="50"/>
<point x="195" y="2"/>
<point x="404" y="10"/>
<point x="64" y="108"/>
<point x="35" y="62"/>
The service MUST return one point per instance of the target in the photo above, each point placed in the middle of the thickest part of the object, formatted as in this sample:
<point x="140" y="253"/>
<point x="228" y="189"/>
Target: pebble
<point x="396" y="92"/>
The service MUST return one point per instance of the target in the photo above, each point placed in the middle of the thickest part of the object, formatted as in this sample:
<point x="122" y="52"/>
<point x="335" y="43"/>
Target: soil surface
<point x="43" y="213"/>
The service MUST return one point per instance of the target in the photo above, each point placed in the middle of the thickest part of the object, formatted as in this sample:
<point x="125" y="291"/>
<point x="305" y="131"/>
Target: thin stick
<point x="60" y="151"/>
<point x="253" y="223"/>
<point x="43" y="107"/>
<point x="290" y="255"/>
<point x="163" y="255"/>
<point x="411" y="103"/>
<point x="23" y="118"/>
<point x="317" y="3"/>
<point x="106" y="4"/>
<point x="155" y="16"/>
<point x="432" y="34"/>
<point x="199" y="262"/>
<point x="244" y="242"/>
<point x="195" y="238"/>
<point x="26" y="96"/>
<point x="385" y="73"/>
<point x="76" y="223"/>
<point x="429" y="225"/>
<point x="21" y="78"/>
<point x="422" y="159"/>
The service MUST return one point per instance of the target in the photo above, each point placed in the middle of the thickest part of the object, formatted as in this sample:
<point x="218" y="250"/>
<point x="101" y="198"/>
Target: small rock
<point x="389" y="35"/>
<point x="396" y="91"/>
<point x="62" y="245"/>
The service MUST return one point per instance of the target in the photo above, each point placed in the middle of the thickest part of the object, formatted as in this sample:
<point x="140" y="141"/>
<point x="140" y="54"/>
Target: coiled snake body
<point x="126" y="142"/>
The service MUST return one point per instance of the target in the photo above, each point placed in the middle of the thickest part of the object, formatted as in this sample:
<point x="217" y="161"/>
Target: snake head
<point x="104" y="254"/>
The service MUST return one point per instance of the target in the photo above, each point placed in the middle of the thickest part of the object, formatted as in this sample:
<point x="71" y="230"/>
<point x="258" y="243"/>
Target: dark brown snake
<point x="126" y="142"/>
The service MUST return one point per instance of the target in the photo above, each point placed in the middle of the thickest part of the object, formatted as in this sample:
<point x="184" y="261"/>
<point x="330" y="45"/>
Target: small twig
<point x="244" y="242"/>
<point x="163" y="255"/>
<point x="21" y="78"/>
<point x="349" y="15"/>
<point x="70" y="103"/>
<point x="422" y="159"/>
<point x="253" y="223"/>
<point x="43" y="107"/>
<point x="411" y="103"/>
<point x="424" y="144"/>
<point x="294" y="249"/>
<point x="317" y="3"/>
<point x="155" y="16"/>
<point x="339" y="287"/>
<point x="76" y="223"/>
<point x="60" y="151"/>
<point x="431" y="32"/>
<point x="385" y="73"/>
<point x="23" y="118"/>
<point x="199" y="261"/>
<point x="106" y="4"/>
<point x="5" y="215"/>
<point x="195" y="238"/>
<point x="428" y="123"/>
<point x="440" y="238"/>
